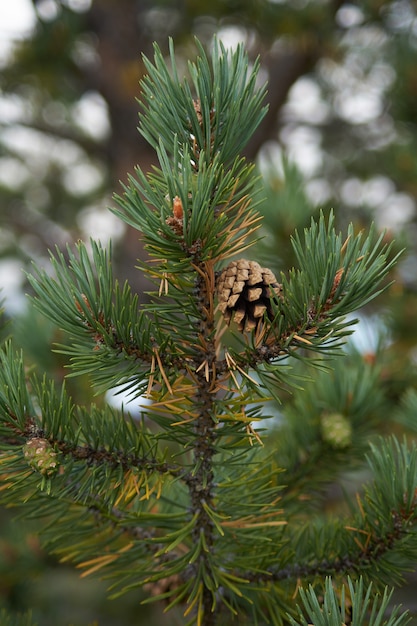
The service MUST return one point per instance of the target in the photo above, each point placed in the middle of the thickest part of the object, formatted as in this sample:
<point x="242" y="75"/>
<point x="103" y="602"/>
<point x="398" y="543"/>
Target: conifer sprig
<point x="214" y="115"/>
<point x="359" y="606"/>
<point x="381" y="534"/>
<point x="189" y="502"/>
<point x="351" y="392"/>
<point x="334" y="278"/>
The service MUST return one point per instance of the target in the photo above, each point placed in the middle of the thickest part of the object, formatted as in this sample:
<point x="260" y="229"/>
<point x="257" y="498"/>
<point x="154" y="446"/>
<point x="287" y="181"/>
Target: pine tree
<point x="211" y="501"/>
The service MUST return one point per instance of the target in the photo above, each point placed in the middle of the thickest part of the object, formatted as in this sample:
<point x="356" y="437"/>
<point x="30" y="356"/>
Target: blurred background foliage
<point x="341" y="132"/>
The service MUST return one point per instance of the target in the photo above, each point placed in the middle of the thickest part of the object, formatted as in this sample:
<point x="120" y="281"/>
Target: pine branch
<point x="382" y="536"/>
<point x="334" y="608"/>
<point x="64" y="440"/>
<point x="334" y="279"/>
<point x="218" y="120"/>
<point x="328" y="425"/>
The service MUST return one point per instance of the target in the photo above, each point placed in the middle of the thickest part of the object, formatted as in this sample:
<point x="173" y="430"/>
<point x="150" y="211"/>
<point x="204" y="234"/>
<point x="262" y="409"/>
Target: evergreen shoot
<point x="212" y="503"/>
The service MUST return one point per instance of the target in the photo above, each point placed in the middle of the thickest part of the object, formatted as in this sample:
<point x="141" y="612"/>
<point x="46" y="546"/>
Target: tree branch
<point x="372" y="551"/>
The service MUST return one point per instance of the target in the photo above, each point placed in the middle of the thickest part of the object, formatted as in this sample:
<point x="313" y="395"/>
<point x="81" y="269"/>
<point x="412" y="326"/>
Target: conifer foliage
<point x="193" y="503"/>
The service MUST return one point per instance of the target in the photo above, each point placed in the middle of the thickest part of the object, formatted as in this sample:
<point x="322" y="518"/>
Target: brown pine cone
<point x="246" y="289"/>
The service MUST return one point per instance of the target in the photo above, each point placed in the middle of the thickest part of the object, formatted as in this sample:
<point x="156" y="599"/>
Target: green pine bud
<point x="40" y="455"/>
<point x="336" y="430"/>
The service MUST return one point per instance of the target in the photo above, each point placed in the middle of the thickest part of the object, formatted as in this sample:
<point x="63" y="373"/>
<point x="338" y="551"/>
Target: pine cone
<point x="246" y="288"/>
<point x="336" y="430"/>
<point x="40" y="455"/>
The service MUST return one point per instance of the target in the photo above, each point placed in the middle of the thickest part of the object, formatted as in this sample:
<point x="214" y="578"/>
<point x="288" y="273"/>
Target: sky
<point x="16" y="18"/>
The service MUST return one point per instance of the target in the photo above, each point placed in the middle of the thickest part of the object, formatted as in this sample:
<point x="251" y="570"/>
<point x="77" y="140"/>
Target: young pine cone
<point x="246" y="289"/>
<point x="40" y="455"/>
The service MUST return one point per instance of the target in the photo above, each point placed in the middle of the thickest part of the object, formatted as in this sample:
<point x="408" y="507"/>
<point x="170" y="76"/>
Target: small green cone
<point x="40" y="455"/>
<point x="336" y="430"/>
